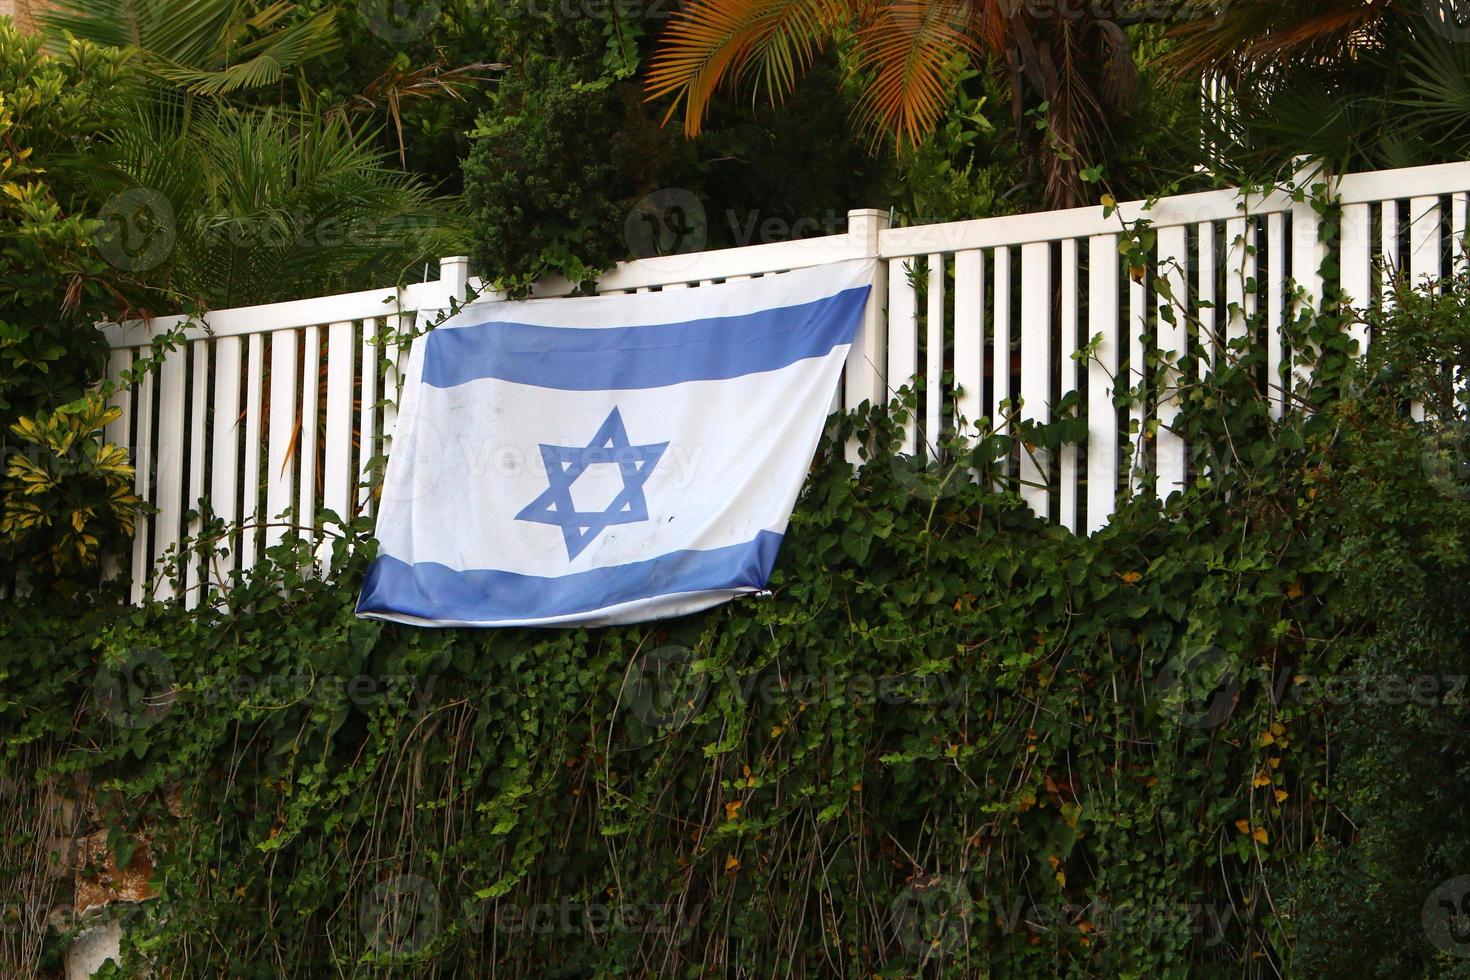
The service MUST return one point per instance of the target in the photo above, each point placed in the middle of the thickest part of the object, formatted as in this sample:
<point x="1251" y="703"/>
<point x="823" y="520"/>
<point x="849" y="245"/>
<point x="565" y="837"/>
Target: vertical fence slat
<point x="1102" y="378"/>
<point x="198" y="415"/>
<point x="969" y="340"/>
<point x="1355" y="263"/>
<point x="118" y="361"/>
<point x="367" y="432"/>
<point x="337" y="455"/>
<point x="1000" y="332"/>
<point x="143" y="483"/>
<point x="1389" y="249"/>
<point x="903" y="338"/>
<point x="1140" y="477"/>
<point x="1424" y="241"/>
<point x="864" y="378"/>
<point x="1424" y="255"/>
<point x="250" y="483"/>
<point x="1036" y="305"/>
<point x="1206" y="301"/>
<point x="393" y="375"/>
<point x="116" y="432"/>
<point x="168" y="461"/>
<point x="1458" y="217"/>
<point x="934" y="357"/>
<point x="1239" y="271"/>
<point x="279" y="487"/>
<point x="1275" y="309"/>
<point x="1308" y="252"/>
<point x="1067" y="498"/>
<point x="225" y="451"/>
<point x="311" y="364"/>
<point x="1457" y="230"/>
<point x="1173" y="259"/>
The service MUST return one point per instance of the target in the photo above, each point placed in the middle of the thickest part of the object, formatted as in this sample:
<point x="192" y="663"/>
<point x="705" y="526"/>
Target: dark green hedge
<point x="954" y="741"/>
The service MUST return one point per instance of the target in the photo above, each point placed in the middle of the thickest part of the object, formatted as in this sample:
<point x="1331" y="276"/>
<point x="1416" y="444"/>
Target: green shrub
<point x="568" y="151"/>
<point x="54" y="286"/>
<point x="954" y="741"/>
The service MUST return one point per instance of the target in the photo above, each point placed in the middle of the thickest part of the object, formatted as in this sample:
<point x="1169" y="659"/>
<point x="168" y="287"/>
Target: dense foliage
<point x="141" y="171"/>
<point x="955" y="740"/>
<point x="571" y="171"/>
<point x="54" y="285"/>
<point x="1219" y="737"/>
<point x="1361" y="85"/>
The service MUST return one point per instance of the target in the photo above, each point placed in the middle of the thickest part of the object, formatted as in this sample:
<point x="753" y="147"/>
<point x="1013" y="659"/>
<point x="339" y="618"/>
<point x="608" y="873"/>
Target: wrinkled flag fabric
<point x="607" y="459"/>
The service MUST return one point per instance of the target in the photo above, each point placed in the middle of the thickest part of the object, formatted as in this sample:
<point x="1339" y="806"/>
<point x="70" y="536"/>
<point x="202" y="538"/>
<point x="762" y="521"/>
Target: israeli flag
<point x="608" y="459"/>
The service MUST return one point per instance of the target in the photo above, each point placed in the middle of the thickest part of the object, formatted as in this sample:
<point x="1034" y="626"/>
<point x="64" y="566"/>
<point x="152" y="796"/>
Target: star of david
<point x="564" y="464"/>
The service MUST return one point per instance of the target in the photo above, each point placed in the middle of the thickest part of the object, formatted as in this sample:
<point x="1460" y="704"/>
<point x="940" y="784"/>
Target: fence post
<point x="454" y="278"/>
<point x="866" y="374"/>
<point x="454" y="275"/>
<point x="1308" y="252"/>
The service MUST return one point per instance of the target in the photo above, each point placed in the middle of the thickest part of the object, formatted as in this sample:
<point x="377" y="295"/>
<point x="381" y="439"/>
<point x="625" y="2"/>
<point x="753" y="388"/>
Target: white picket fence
<point x="267" y="415"/>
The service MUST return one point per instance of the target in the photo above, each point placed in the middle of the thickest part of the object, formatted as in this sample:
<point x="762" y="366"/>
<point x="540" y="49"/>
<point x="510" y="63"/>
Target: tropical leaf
<point x="715" y="43"/>
<point x="913" y="52"/>
<point x="206" y="47"/>
<point x="1235" y="37"/>
<point x="910" y="56"/>
<point x="387" y="93"/>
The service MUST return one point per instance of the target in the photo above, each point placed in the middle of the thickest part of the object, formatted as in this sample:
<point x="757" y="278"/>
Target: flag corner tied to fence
<point x="607" y="459"/>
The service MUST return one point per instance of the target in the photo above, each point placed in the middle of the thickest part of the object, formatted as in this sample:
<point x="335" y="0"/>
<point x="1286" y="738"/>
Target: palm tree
<point x="264" y="203"/>
<point x="204" y="47"/>
<point x="270" y="205"/>
<point x="1247" y="37"/>
<point x="1361" y="84"/>
<point x="1067" y="65"/>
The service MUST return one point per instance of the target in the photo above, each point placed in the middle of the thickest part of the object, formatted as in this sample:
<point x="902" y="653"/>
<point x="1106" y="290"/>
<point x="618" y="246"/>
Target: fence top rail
<point x="1183" y="209"/>
<point x="317" y="311"/>
<point x="894" y="243"/>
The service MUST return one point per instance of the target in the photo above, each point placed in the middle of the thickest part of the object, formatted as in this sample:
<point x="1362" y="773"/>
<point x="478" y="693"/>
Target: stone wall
<point x="22" y="11"/>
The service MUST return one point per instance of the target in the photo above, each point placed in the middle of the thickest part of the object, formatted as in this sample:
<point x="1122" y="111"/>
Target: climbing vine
<point x="955" y="740"/>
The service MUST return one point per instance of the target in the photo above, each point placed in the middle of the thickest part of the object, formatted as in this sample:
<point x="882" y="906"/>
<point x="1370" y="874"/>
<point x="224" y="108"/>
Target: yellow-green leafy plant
<point x="71" y="494"/>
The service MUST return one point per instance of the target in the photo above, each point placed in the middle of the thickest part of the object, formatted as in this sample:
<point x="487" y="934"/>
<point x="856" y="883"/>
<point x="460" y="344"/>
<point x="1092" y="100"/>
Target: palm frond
<point x="185" y="31"/>
<point x="712" y="44"/>
<point x="272" y="205"/>
<point x="1437" y="91"/>
<point x="206" y="47"/>
<point x="1246" y="34"/>
<point x="912" y="52"/>
<point x="388" y="92"/>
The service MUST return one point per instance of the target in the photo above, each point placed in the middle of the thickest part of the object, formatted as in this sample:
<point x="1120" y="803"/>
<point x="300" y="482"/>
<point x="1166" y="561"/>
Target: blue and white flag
<point x="607" y="459"/>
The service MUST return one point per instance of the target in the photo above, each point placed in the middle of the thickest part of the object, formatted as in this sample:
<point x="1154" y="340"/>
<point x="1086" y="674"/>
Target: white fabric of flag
<point x="607" y="459"/>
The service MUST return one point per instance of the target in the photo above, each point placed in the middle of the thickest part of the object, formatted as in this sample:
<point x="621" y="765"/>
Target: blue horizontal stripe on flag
<point x="613" y="358"/>
<point x="430" y="591"/>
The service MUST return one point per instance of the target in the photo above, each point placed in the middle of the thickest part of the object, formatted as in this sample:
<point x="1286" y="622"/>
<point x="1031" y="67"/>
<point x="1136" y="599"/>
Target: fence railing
<point x="265" y="416"/>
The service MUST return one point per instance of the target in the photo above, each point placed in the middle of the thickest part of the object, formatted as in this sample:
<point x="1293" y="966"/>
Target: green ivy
<point x="955" y="739"/>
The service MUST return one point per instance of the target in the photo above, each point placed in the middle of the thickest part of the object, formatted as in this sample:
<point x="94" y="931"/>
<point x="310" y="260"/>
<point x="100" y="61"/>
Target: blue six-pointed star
<point x="564" y="464"/>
